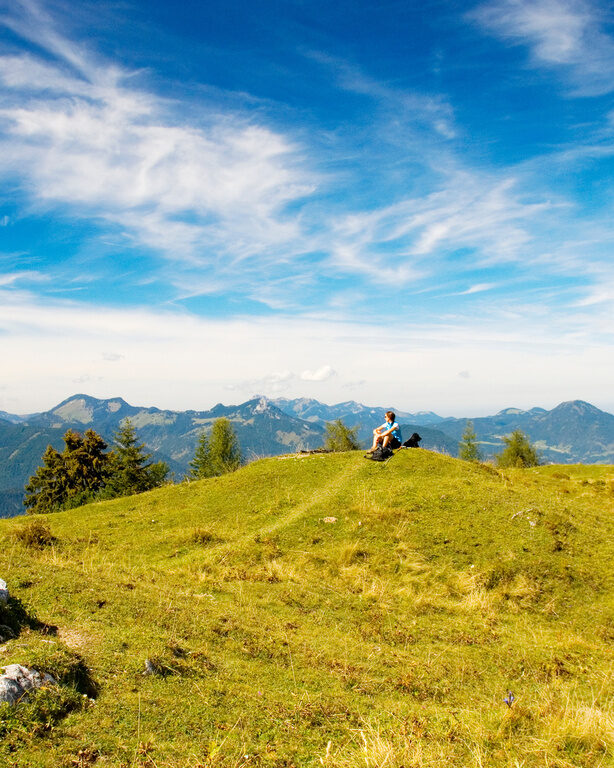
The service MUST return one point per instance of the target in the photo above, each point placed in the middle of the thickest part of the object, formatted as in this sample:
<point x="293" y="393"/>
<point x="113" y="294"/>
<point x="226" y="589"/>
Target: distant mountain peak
<point x="579" y="406"/>
<point x="78" y="408"/>
<point x="511" y="412"/>
<point x="263" y="405"/>
<point x="74" y="398"/>
<point x="90" y="401"/>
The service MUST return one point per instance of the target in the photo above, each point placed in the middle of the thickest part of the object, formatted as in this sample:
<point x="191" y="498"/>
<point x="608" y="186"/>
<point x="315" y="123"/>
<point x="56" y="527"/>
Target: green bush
<point x="35" y="534"/>
<point x="217" y="453"/>
<point x="340" y="437"/>
<point x="518" y="451"/>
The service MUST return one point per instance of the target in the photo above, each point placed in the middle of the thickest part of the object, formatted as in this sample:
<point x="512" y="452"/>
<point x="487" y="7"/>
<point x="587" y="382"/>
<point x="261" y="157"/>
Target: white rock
<point x="149" y="668"/>
<point x="4" y="593"/>
<point x="10" y="691"/>
<point x="17" y="681"/>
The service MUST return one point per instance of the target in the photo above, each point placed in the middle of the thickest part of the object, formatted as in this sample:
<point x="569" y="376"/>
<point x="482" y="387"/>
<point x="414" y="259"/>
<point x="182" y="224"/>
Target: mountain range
<point x="573" y="432"/>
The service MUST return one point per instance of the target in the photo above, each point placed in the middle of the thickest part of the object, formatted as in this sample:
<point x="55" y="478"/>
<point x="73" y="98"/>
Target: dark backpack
<point x="381" y="453"/>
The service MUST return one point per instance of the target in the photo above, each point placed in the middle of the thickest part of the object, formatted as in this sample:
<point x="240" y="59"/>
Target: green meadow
<point x="320" y="611"/>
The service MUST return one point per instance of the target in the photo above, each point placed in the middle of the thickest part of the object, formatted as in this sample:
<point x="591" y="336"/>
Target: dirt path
<point x="321" y="495"/>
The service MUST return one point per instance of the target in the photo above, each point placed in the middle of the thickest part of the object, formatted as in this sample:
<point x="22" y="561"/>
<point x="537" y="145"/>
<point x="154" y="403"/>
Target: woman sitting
<point x="389" y="434"/>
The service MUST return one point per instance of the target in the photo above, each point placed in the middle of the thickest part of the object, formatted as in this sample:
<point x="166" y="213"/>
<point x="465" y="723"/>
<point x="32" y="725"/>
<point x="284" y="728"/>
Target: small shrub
<point x="561" y="529"/>
<point x="340" y="437"/>
<point x="518" y="451"/>
<point x="202" y="536"/>
<point x="36" y="534"/>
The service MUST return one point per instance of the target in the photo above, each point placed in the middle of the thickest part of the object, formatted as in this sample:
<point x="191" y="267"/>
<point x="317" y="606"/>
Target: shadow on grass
<point x="14" y="616"/>
<point x="65" y="666"/>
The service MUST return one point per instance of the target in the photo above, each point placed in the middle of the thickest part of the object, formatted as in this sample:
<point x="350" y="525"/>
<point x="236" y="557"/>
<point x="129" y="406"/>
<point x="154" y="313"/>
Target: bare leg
<point x="376" y="439"/>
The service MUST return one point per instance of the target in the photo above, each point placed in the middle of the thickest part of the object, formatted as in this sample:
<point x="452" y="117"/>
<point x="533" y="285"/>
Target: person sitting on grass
<point x="389" y="434"/>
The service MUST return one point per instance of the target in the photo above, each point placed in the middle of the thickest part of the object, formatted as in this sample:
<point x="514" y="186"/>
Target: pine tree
<point x="131" y="468"/>
<point x="518" y="452"/>
<point x="224" y="450"/>
<point x="46" y="490"/>
<point x="69" y="478"/>
<point x="340" y="437"/>
<point x="468" y="447"/>
<point x="200" y="466"/>
<point x="87" y="466"/>
<point x="84" y="471"/>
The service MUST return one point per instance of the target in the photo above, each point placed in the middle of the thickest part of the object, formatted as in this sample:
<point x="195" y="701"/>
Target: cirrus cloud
<point x="563" y="34"/>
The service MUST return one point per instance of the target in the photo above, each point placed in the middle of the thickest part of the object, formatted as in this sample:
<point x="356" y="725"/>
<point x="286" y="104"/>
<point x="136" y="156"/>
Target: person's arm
<point x="386" y="431"/>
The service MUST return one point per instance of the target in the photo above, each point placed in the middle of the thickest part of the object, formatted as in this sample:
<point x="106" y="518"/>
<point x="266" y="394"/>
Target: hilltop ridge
<point x="326" y="610"/>
<point x="574" y="431"/>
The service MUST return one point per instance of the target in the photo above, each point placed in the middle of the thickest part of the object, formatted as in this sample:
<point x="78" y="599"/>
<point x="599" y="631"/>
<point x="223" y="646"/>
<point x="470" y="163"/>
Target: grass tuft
<point x="35" y="534"/>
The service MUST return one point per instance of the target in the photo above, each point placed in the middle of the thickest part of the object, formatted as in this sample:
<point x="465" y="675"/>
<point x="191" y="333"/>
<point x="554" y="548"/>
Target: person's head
<point x="390" y="416"/>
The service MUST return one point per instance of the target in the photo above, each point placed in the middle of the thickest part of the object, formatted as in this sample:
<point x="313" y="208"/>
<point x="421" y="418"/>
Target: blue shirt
<point x="396" y="430"/>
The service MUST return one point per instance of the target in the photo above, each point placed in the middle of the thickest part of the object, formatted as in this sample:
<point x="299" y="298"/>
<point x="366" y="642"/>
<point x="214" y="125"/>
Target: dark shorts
<point x="394" y="443"/>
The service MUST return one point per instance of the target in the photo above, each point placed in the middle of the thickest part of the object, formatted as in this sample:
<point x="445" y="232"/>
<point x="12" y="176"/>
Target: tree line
<point x="86" y="471"/>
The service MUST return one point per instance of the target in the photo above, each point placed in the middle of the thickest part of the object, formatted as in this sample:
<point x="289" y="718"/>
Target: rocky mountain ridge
<point x="573" y="432"/>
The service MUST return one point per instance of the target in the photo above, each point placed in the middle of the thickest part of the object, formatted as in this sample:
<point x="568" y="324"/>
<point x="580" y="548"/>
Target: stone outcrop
<point x="17" y="681"/>
<point x="4" y="593"/>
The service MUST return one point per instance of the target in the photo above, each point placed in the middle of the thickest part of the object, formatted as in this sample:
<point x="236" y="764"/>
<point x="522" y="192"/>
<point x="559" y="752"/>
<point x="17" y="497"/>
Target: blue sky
<point x="395" y="202"/>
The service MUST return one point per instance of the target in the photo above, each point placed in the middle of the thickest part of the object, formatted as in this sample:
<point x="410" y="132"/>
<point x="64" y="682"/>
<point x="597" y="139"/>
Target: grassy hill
<point x="279" y="637"/>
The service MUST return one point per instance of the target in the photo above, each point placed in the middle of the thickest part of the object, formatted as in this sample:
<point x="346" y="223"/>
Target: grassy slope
<point x="387" y="638"/>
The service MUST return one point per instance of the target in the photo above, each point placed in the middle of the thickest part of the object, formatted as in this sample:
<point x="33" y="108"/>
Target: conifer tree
<point x="46" y="490"/>
<point x="518" y="451"/>
<point x="340" y="437"/>
<point x="200" y="466"/>
<point x="224" y="450"/>
<point x="69" y="478"/>
<point x="84" y="471"/>
<point x="86" y="464"/>
<point x="468" y="449"/>
<point x="131" y="468"/>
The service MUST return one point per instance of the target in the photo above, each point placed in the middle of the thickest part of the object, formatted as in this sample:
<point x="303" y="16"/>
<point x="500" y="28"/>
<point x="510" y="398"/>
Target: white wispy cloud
<point x="81" y="137"/>
<point x="474" y="210"/>
<point x="405" y="107"/>
<point x="562" y="34"/>
<point x="21" y="276"/>
<point x="226" y="199"/>
<point x="277" y="382"/>
<point x="478" y="288"/>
